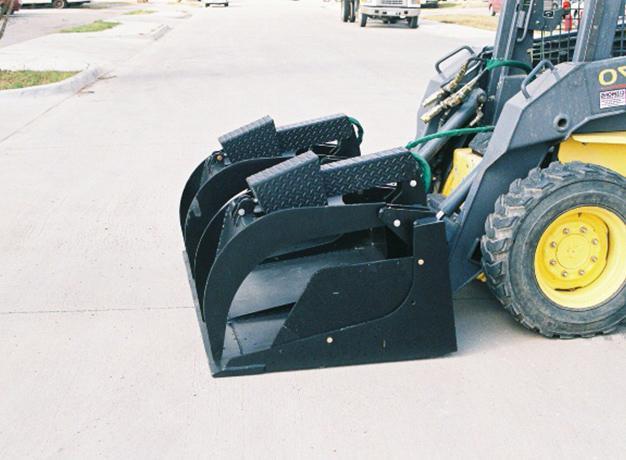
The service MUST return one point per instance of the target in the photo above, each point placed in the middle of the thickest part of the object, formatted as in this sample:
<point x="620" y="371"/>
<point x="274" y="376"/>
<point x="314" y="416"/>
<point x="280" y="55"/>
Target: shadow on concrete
<point x="481" y="322"/>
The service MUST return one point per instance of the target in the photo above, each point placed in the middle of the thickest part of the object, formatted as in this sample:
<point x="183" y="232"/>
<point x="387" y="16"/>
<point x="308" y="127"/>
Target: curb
<point x="71" y="85"/>
<point x="159" y="32"/>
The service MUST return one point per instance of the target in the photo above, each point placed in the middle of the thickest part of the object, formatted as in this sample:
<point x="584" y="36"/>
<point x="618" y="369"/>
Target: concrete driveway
<point x="100" y="351"/>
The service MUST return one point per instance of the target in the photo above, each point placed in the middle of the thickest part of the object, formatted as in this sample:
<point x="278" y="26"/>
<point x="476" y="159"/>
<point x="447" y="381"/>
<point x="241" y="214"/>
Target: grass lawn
<point x="96" y="26"/>
<point x="135" y="12"/>
<point x="465" y="4"/>
<point x="12" y="79"/>
<point x="480" y="22"/>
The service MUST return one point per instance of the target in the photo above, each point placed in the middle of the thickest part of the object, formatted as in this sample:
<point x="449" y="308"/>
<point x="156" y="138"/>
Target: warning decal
<point x="613" y="98"/>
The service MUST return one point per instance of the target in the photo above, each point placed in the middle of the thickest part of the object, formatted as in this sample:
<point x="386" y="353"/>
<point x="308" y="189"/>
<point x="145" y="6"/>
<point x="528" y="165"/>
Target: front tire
<point x="363" y="20"/>
<point x="554" y="250"/>
<point x="413" y="22"/>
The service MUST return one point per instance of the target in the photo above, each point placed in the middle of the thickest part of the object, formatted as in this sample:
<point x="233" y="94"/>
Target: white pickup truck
<point x="55" y="3"/>
<point x="388" y="11"/>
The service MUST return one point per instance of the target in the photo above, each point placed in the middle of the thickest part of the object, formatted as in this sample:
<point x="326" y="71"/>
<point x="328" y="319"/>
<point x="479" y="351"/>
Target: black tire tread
<point x="501" y="225"/>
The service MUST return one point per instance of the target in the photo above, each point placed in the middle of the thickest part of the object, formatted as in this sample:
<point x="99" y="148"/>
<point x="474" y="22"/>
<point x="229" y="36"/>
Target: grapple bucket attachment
<point x="248" y="150"/>
<point x="324" y="264"/>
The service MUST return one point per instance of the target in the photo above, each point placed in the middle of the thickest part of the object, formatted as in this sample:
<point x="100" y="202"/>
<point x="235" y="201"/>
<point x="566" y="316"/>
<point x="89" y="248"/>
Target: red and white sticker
<point x="613" y="98"/>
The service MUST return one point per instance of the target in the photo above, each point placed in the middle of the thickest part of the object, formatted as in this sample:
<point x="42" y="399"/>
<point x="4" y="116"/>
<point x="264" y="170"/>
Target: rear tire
<point x="413" y="22"/>
<point x="353" y="9"/>
<point x="539" y="261"/>
<point x="345" y="10"/>
<point x="58" y="4"/>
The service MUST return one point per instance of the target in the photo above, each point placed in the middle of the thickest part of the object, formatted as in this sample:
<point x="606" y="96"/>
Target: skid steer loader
<point x="303" y="253"/>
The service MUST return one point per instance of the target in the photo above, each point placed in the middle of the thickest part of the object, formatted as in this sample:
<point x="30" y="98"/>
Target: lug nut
<point x="564" y="274"/>
<point x="553" y="244"/>
<point x="595" y="242"/>
<point x="583" y="229"/>
<point x="552" y="262"/>
<point x="581" y="272"/>
<point x="566" y="231"/>
<point x="594" y="259"/>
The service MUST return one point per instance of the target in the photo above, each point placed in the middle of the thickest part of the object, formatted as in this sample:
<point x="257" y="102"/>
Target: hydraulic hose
<point x="453" y="99"/>
<point x="426" y="171"/>
<point x="422" y="159"/>
<point x="359" y="129"/>
<point x="495" y="63"/>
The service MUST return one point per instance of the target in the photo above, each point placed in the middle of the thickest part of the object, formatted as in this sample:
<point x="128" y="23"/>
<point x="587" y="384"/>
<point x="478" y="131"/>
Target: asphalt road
<point x="101" y="353"/>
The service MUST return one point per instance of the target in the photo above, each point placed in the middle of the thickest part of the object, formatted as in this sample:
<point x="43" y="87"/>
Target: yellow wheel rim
<point x="580" y="259"/>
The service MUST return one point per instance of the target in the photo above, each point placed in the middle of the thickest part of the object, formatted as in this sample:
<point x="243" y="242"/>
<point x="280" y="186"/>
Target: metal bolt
<point x="564" y="274"/>
<point x="329" y="340"/>
<point x="397" y="223"/>
<point x="594" y="259"/>
<point x="219" y="158"/>
<point x="420" y="262"/>
<point x="553" y="244"/>
<point x="581" y="272"/>
<point x="595" y="242"/>
<point x="583" y="229"/>
<point x="552" y="262"/>
<point x="566" y="231"/>
<point x="413" y="183"/>
<point x="241" y="212"/>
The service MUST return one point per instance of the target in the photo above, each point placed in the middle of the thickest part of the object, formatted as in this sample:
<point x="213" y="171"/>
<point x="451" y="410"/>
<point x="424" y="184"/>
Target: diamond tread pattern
<point x="294" y="183"/>
<point x="305" y="134"/>
<point x="301" y="182"/>
<point x="261" y="139"/>
<point x="255" y="140"/>
<point x="362" y="173"/>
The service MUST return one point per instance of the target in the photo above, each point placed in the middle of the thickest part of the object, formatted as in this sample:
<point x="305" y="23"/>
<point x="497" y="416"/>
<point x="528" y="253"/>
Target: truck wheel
<point x="345" y="10"/>
<point x="555" y="247"/>
<point x="363" y="20"/>
<point x="354" y="6"/>
<point x="58" y="4"/>
<point x="413" y="22"/>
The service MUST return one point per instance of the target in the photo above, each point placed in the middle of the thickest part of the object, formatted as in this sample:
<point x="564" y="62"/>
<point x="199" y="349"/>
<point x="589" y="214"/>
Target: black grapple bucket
<point x="248" y="150"/>
<point x="322" y="265"/>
